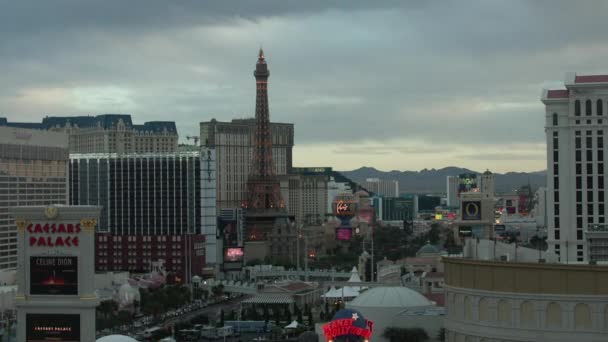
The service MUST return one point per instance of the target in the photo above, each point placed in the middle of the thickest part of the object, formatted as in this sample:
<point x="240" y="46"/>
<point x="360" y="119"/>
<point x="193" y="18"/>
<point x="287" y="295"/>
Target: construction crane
<point x="195" y="138"/>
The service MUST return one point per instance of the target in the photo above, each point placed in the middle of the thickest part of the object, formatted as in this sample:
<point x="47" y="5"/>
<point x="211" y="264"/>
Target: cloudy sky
<point x="395" y="85"/>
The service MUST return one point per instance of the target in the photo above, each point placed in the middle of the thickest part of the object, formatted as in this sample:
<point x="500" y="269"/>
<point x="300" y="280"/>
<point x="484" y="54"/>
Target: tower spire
<point x="263" y="188"/>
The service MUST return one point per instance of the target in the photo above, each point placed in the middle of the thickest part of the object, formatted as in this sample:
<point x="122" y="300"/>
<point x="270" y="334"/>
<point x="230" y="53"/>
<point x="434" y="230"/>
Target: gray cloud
<point x="436" y="72"/>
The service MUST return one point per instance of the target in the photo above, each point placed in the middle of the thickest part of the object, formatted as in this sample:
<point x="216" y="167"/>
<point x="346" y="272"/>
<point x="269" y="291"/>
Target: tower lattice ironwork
<point x="263" y="187"/>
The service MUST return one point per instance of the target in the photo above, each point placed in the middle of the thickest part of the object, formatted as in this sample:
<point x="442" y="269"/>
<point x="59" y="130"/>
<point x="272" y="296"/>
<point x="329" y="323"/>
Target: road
<point x="210" y="311"/>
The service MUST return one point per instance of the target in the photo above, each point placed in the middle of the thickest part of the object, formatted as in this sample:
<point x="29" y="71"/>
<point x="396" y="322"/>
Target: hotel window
<point x="579" y="182"/>
<point x="577" y="108"/>
<point x="589" y="168"/>
<point x="600" y="110"/>
<point x="589" y="196"/>
<point x="579" y="168"/>
<point x="578" y="156"/>
<point x="579" y="222"/>
<point x="577" y="142"/>
<point x="590" y="182"/>
<point x="600" y="196"/>
<point x="589" y="142"/>
<point x="579" y="209"/>
<point x="600" y="155"/>
<point x="579" y="236"/>
<point x="588" y="107"/>
<point x="556" y="232"/>
<point x="589" y="155"/>
<point x="555" y="120"/>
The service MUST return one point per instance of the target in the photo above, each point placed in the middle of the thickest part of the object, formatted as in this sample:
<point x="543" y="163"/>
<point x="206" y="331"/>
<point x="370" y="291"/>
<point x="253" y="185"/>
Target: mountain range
<point x="434" y="181"/>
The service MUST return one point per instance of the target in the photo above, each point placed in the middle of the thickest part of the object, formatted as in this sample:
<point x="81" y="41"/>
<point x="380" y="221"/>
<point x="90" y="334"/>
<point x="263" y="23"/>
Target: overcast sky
<point x="394" y="85"/>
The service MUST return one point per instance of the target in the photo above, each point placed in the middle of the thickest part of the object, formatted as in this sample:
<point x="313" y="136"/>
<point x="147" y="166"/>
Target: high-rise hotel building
<point x="33" y="171"/>
<point x="576" y="125"/>
<point x="108" y="133"/>
<point x="233" y="145"/>
<point x="151" y="208"/>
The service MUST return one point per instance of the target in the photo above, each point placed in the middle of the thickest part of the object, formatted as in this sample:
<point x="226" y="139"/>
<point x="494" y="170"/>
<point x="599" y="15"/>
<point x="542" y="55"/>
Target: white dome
<point x="386" y="297"/>
<point x="116" y="338"/>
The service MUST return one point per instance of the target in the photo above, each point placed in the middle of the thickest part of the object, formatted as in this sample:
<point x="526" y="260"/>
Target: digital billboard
<point x="366" y="215"/>
<point x="471" y="211"/>
<point x="233" y="258"/>
<point x="53" y="275"/>
<point x="467" y="182"/>
<point x="344" y="233"/>
<point x="52" y="327"/>
<point x="233" y="254"/>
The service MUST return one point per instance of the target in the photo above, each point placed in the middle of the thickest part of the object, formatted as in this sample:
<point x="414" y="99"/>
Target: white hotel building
<point x="576" y="125"/>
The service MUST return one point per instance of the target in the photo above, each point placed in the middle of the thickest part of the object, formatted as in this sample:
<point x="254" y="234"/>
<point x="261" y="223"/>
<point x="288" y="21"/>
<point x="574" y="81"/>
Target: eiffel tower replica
<point x="264" y="208"/>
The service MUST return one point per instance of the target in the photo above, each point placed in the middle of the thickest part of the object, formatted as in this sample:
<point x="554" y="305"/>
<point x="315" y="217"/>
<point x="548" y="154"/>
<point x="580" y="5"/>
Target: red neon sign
<point x="54" y="241"/>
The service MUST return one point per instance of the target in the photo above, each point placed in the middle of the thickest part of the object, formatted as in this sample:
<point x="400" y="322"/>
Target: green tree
<point x="217" y="290"/>
<point x="222" y="318"/>
<point x="311" y="321"/>
<point x="266" y="313"/>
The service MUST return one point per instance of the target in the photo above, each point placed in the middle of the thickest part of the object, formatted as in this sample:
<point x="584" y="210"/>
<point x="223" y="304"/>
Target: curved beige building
<point x="516" y="301"/>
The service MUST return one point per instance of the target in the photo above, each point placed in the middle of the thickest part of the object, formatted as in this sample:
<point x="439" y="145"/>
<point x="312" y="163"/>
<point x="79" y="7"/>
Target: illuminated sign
<point x="348" y="325"/>
<point x="52" y="327"/>
<point x="471" y="211"/>
<point x="344" y="233"/>
<point x="438" y="217"/>
<point x="53" y="275"/>
<point x="465" y="231"/>
<point x="344" y="208"/>
<point x="47" y="235"/>
<point x="234" y="254"/>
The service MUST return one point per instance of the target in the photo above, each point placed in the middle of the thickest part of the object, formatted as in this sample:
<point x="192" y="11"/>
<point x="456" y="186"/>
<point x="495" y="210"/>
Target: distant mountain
<point x="434" y="181"/>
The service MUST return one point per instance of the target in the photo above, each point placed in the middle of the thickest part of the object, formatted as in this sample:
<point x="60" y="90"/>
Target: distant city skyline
<point x="393" y="85"/>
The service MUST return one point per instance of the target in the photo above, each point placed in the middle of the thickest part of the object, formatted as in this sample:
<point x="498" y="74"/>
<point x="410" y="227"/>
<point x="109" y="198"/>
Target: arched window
<point x="527" y="316"/>
<point x="577" y="108"/>
<point x="468" y="309"/>
<point x="484" y="310"/>
<point x="588" y="107"/>
<point x="553" y="316"/>
<point x="582" y="316"/>
<point x="555" y="122"/>
<point x="600" y="109"/>
<point x="504" y="311"/>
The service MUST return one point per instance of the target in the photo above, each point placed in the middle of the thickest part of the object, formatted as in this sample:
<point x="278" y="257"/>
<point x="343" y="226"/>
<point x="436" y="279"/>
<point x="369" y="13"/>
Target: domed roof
<point x="116" y="338"/>
<point x="428" y="249"/>
<point x="386" y="297"/>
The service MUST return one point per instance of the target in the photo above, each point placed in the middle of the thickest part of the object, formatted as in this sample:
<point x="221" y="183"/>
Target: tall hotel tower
<point x="575" y="124"/>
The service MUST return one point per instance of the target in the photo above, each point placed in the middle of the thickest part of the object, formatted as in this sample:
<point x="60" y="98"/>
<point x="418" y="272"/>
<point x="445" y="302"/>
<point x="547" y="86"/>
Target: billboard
<point x="471" y="211"/>
<point x="344" y="233"/>
<point x="366" y="215"/>
<point x="467" y="182"/>
<point x="233" y="254"/>
<point x="53" y="275"/>
<point x="52" y="327"/>
<point x="233" y="258"/>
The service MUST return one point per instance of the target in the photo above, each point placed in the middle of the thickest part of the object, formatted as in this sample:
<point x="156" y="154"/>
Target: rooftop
<point x="591" y="79"/>
<point x="386" y="297"/>
<point x="105" y="121"/>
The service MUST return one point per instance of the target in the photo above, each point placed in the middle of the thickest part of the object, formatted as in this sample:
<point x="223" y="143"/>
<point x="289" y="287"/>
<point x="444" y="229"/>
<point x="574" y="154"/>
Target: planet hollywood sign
<point x="53" y="234"/>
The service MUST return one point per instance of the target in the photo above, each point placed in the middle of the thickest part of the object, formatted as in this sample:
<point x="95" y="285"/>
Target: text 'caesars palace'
<point x="529" y="265"/>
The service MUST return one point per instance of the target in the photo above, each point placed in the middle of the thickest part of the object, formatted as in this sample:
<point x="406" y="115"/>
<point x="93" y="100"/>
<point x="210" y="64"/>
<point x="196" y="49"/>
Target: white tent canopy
<point x="292" y="325"/>
<point x="332" y="293"/>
